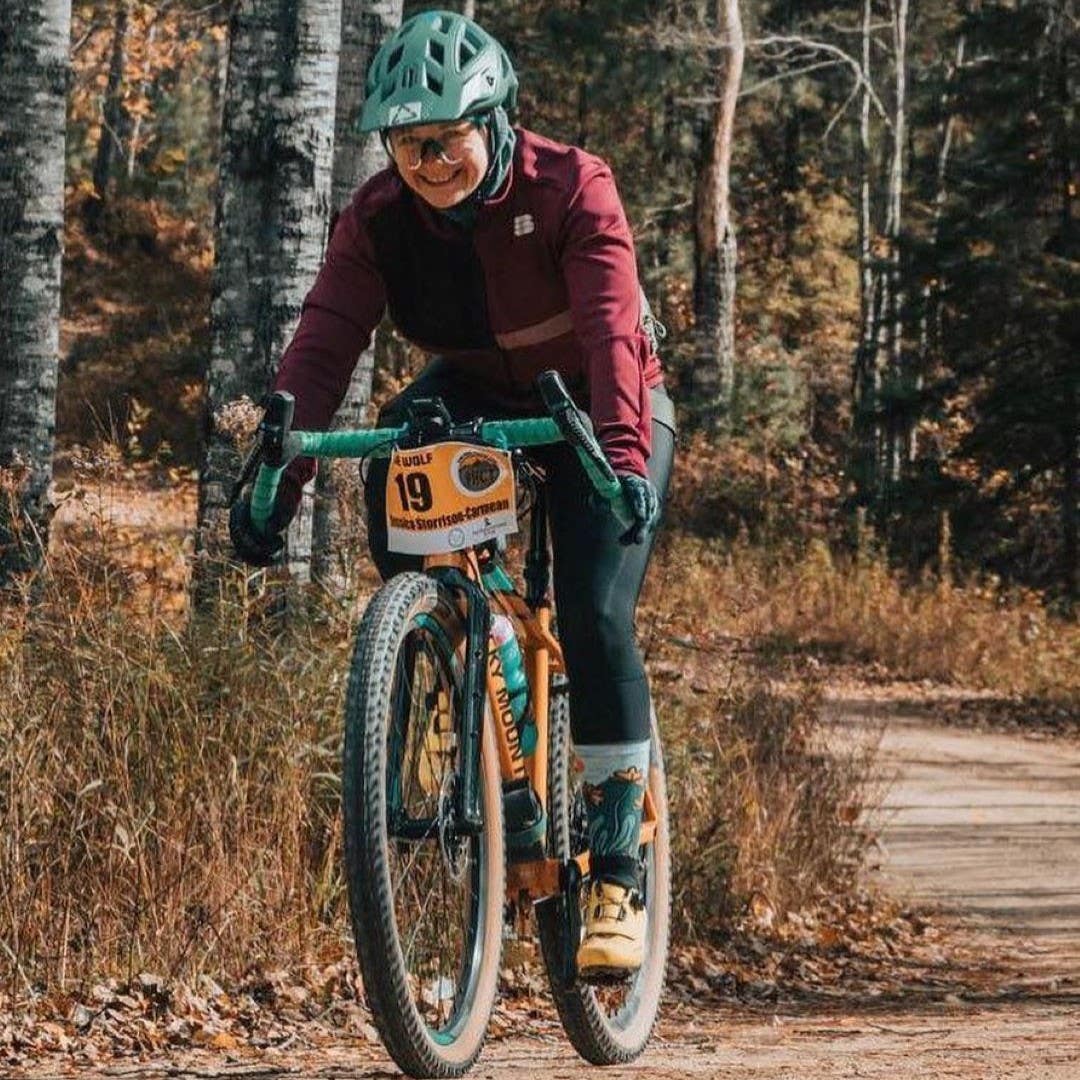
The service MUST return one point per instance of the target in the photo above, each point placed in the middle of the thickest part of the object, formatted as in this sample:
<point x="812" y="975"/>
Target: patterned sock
<point x="614" y="778"/>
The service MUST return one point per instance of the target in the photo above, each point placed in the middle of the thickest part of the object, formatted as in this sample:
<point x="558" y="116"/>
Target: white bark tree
<point x="714" y="234"/>
<point x="866" y="377"/>
<point x="33" y="98"/>
<point x="273" y="209"/>
<point x="930" y="308"/>
<point x="365" y="24"/>
<point x="900" y="425"/>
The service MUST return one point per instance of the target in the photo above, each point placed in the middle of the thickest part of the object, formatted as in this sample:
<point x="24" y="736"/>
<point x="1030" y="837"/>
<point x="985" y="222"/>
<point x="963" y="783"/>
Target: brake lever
<point x="276" y="422"/>
<point x="270" y="444"/>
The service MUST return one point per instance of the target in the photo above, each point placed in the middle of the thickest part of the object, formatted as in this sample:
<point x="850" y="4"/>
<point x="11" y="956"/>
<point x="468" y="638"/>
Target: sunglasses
<point x="450" y="146"/>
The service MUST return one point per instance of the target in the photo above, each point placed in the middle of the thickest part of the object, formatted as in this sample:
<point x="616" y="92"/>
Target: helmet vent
<point x="408" y="78"/>
<point x="436" y="52"/>
<point x="471" y="43"/>
<point x="395" y="58"/>
<point x="434" y="83"/>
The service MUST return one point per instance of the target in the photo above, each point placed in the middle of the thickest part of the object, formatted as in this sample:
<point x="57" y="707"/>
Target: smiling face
<point x="443" y="163"/>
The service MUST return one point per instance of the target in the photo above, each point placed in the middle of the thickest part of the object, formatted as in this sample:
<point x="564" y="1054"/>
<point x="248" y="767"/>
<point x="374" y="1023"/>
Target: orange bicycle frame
<point x="532" y="878"/>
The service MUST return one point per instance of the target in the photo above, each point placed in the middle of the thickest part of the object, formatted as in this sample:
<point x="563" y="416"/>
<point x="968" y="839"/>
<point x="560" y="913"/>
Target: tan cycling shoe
<point x="614" y="944"/>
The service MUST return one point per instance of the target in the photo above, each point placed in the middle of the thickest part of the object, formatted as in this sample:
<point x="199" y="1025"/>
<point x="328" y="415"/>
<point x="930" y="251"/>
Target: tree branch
<point x="787" y="75"/>
<point x="832" y="50"/>
<point x="91" y="30"/>
<point x="840" y="112"/>
<point x="857" y="29"/>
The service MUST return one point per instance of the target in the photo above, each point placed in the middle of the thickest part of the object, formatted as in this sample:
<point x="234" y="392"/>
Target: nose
<point x="434" y="147"/>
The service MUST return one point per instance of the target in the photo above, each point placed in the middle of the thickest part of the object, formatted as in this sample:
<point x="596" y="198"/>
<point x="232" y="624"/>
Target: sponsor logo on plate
<point x="476" y="472"/>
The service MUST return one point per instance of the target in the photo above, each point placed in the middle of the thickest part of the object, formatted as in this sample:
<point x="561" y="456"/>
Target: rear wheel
<point x="426" y="899"/>
<point x="607" y="1025"/>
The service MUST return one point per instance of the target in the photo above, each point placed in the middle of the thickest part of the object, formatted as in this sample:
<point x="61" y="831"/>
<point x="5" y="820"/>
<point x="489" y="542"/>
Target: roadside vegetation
<point x="169" y="786"/>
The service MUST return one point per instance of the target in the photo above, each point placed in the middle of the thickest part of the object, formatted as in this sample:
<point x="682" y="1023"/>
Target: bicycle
<point x="453" y="804"/>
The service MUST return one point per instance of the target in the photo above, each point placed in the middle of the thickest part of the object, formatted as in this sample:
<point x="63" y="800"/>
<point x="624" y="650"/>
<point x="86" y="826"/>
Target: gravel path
<point x="989" y="824"/>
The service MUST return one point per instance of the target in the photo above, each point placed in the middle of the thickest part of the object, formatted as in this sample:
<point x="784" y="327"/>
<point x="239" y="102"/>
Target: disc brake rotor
<point x="454" y="848"/>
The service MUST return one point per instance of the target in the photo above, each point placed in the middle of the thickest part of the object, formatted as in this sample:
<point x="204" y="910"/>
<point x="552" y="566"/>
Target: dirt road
<point x="985" y="824"/>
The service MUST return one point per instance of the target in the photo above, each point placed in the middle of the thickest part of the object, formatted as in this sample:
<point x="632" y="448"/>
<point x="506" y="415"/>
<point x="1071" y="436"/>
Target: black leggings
<point x="597" y="578"/>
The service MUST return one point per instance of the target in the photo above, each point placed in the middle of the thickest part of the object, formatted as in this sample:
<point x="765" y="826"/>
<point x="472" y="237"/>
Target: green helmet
<point x="437" y="66"/>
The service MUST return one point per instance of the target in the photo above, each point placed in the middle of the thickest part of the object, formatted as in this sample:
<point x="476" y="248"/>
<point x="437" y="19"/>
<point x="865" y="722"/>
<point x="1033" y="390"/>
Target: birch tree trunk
<point x="272" y="213"/>
<point x="365" y="24"/>
<point x="866" y="376"/>
<point x="136" y="125"/>
<point x="930" y="307"/>
<point x="33" y="99"/>
<point x="900" y="428"/>
<point x="714" y="236"/>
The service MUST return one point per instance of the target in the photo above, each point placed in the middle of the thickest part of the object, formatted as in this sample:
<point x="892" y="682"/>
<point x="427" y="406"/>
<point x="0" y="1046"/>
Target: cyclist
<point x="502" y="254"/>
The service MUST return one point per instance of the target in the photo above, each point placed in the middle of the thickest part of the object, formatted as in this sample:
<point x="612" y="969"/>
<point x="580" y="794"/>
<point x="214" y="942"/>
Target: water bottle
<point x="517" y="684"/>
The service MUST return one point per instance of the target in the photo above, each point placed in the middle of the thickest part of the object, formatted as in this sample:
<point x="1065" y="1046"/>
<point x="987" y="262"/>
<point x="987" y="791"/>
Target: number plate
<point x="448" y="496"/>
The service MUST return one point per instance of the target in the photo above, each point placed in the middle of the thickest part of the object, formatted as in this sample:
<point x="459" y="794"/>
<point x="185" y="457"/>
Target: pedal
<point x="606" y="976"/>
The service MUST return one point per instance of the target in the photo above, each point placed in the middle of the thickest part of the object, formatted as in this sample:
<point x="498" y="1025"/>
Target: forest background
<point x="887" y="479"/>
<point x="983" y="233"/>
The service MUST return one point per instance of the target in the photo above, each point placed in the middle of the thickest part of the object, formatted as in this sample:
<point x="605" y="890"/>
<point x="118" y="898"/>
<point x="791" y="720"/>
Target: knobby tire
<point x="600" y="1036"/>
<point x="413" y="615"/>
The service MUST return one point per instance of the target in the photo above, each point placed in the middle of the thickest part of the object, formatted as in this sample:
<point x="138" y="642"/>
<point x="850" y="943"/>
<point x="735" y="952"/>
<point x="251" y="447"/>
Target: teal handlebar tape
<point x="263" y="493"/>
<point x="379" y="442"/>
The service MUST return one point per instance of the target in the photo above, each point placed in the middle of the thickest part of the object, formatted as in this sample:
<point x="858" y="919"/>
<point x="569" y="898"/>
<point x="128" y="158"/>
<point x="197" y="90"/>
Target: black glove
<point x="643" y="502"/>
<point x="252" y="546"/>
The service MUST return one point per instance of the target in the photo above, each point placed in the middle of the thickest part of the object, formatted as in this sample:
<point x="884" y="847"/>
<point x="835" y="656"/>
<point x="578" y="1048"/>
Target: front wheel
<point x="425" y="897"/>
<point x="607" y="1025"/>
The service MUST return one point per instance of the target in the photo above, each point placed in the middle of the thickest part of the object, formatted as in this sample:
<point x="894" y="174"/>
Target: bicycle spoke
<point x="432" y="884"/>
<point x="425" y="898"/>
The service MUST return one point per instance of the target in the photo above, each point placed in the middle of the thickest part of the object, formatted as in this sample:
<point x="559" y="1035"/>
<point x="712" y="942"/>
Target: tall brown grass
<point x="855" y="608"/>
<point x="765" y="815"/>
<point x="168" y="799"/>
<point x="169" y="786"/>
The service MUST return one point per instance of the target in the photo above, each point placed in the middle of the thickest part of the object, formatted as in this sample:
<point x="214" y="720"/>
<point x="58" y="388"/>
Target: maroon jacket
<point x="545" y="279"/>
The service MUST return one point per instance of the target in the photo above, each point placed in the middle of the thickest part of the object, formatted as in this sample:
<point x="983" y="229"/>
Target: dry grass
<point x="741" y="640"/>
<point x="856" y="609"/>
<point x="765" y="817"/>
<point x="169" y="789"/>
<point x="168" y="795"/>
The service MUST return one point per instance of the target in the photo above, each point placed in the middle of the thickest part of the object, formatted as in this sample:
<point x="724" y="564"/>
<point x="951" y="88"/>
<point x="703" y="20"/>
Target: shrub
<point x="764" y="814"/>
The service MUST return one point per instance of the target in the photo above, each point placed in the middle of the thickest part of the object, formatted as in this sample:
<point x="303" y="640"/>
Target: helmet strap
<point x="501" y="141"/>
